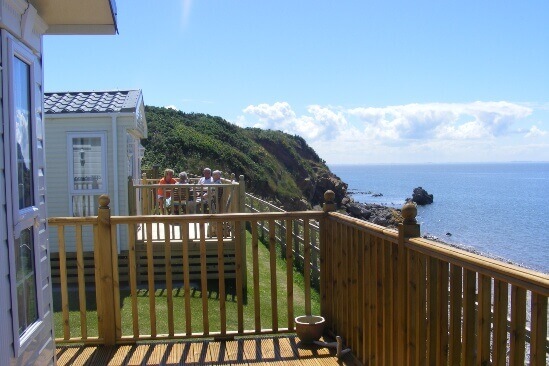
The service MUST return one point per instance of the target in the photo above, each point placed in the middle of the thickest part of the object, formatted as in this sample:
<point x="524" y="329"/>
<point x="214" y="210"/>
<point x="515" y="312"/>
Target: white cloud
<point x="441" y="120"/>
<point x="535" y="132"/>
<point x="171" y="106"/>
<point x="438" y="132"/>
<point x="469" y="130"/>
<point x="322" y="123"/>
<point x="280" y="112"/>
<point x="478" y="120"/>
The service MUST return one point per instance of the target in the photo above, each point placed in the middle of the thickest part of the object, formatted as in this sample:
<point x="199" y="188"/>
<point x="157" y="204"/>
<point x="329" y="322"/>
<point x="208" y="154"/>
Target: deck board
<point x="276" y="350"/>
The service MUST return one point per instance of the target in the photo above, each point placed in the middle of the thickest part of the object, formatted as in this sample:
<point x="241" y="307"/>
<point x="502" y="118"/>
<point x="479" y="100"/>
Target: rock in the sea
<point x="421" y="197"/>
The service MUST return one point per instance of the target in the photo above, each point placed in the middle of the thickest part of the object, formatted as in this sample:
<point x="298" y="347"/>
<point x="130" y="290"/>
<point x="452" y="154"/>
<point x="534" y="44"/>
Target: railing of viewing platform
<point x="117" y="303"/>
<point x="299" y="237"/>
<point x="395" y="298"/>
<point x="178" y="199"/>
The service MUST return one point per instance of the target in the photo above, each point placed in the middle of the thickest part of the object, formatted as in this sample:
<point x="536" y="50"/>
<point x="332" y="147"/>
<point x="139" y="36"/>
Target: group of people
<point x="209" y="177"/>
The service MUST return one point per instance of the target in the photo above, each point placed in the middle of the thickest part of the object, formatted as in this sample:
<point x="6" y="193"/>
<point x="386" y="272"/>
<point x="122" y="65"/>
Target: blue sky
<point x="361" y="81"/>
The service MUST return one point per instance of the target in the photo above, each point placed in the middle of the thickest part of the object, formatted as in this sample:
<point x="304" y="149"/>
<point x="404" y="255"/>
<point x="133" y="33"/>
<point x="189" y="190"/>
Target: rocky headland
<point x="377" y="214"/>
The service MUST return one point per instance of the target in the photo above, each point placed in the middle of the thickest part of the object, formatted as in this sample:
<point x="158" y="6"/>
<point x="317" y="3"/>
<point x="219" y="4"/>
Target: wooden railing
<point x="401" y="300"/>
<point x="257" y="205"/>
<point x="396" y="299"/>
<point x="126" y="322"/>
<point x="185" y="198"/>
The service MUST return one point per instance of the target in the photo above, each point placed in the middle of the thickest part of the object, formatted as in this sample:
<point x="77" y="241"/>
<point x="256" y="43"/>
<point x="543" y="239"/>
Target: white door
<point x="24" y="161"/>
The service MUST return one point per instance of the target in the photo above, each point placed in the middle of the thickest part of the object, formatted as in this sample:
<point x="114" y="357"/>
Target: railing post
<point x="155" y="171"/>
<point x="409" y="228"/>
<point x="328" y="206"/>
<point x="132" y="209"/>
<point x="104" y="273"/>
<point x="144" y="196"/>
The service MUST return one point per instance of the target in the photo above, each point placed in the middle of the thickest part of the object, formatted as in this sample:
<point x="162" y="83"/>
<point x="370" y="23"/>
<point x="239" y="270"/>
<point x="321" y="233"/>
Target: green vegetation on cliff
<point x="276" y="165"/>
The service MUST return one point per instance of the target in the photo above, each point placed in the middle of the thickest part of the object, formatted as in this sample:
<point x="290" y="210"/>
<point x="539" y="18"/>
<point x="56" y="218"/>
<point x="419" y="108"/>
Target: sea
<point x="496" y="209"/>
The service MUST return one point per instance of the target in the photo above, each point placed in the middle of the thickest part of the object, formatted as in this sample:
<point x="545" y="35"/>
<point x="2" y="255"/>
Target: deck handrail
<point x="221" y="197"/>
<point x="257" y="205"/>
<point x="394" y="297"/>
<point x="406" y="300"/>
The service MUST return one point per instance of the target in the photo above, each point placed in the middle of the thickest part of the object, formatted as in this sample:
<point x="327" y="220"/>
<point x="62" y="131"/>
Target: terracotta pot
<point x="309" y="328"/>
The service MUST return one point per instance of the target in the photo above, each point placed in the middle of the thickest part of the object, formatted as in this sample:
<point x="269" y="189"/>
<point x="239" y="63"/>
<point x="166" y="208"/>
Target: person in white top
<point x="202" y="194"/>
<point x="207" y="178"/>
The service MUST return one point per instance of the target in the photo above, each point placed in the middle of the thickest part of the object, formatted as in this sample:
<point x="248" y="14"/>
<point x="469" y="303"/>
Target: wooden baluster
<point x="501" y="301"/>
<point x="255" y="268"/>
<point x="133" y="279"/>
<point x="81" y="282"/>
<point x="289" y="273"/>
<point x="518" y="326"/>
<point x="272" y="267"/>
<point x="204" y="279"/>
<point x="63" y="281"/>
<point x="186" y="278"/>
<point x="538" y="355"/>
<point x="484" y="319"/>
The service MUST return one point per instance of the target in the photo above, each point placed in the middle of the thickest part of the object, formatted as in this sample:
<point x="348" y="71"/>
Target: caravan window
<point x="87" y="171"/>
<point x="23" y="133"/>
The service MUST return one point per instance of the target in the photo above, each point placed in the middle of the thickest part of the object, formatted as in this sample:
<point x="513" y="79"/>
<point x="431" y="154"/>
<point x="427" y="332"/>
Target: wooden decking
<point x="244" y="351"/>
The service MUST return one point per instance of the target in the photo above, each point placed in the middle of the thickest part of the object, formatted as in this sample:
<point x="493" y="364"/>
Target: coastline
<point x="389" y="217"/>
<point x="495" y="210"/>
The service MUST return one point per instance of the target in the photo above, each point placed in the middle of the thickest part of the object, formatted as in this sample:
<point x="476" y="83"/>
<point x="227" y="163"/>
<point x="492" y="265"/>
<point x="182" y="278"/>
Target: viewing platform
<point x="393" y="297"/>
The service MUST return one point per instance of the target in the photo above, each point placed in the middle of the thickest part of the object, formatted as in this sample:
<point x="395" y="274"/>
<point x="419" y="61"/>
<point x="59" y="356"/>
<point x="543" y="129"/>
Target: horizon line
<point x="451" y="162"/>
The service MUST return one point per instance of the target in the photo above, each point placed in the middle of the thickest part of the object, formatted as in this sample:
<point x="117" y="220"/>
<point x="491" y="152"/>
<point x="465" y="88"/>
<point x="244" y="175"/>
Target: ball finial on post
<point x="104" y="201"/>
<point x="329" y="198"/>
<point x="409" y="227"/>
<point x="409" y="212"/>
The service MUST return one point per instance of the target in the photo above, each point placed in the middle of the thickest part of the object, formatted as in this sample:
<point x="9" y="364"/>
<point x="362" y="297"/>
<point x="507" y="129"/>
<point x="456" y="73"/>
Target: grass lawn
<point x="161" y="303"/>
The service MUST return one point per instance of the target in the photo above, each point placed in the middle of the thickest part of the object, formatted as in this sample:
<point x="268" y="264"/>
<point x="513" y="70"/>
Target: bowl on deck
<point x="309" y="328"/>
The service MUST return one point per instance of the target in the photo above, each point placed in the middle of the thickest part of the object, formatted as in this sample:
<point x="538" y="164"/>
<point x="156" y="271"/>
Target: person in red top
<point x="168" y="179"/>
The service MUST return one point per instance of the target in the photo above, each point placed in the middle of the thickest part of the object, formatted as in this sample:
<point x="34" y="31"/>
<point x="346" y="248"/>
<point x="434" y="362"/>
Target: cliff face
<point x="278" y="167"/>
